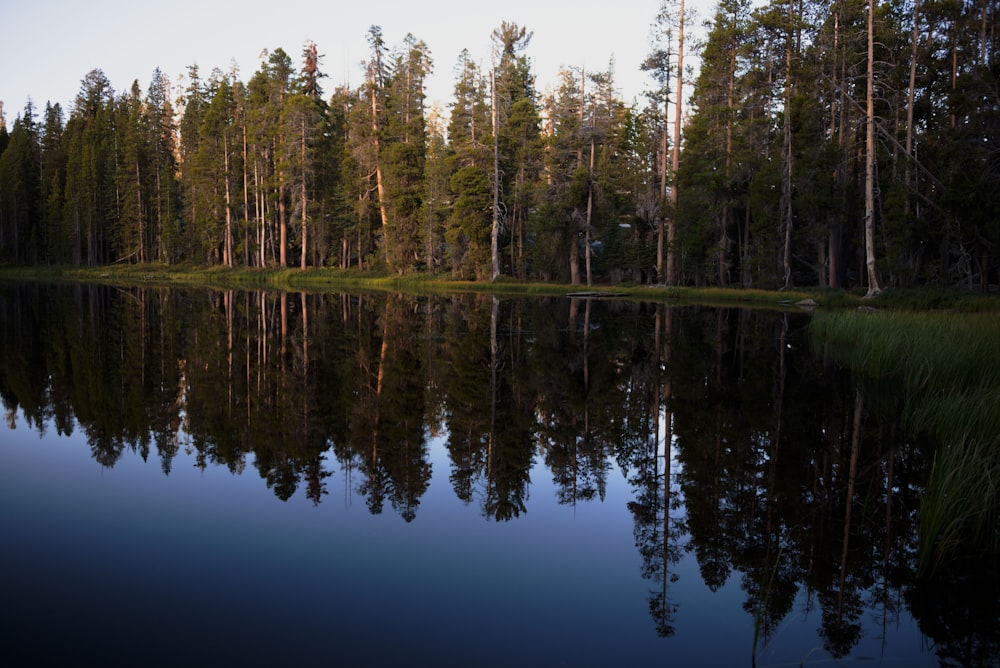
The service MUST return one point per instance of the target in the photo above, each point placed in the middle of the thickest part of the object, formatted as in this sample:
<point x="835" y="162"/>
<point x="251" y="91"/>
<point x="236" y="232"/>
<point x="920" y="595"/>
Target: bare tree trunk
<point x="380" y="187"/>
<point x="495" y="229"/>
<point x="663" y="195"/>
<point x="227" y="245"/>
<point x="282" y="224"/>
<point x="142" y="229"/>
<point x="910" y="98"/>
<point x="671" y="278"/>
<point x="787" y="208"/>
<point x="873" y="285"/>
<point x="574" y="241"/>
<point x="302" y="157"/>
<point x="246" y="201"/>
<point x="590" y="209"/>
<point x="724" y="219"/>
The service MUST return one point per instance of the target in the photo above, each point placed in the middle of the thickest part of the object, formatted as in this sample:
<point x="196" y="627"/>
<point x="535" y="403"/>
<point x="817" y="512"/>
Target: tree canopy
<point x="788" y="171"/>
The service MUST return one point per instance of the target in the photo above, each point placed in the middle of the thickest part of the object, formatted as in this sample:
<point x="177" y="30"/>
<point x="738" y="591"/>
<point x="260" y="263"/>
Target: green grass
<point x="948" y="366"/>
<point x="315" y="279"/>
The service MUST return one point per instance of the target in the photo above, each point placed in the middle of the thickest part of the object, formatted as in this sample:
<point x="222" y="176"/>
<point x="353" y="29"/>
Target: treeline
<point x="790" y="163"/>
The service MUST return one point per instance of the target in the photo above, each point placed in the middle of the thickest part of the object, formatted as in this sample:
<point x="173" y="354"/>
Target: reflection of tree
<point x="574" y="403"/>
<point x="958" y="608"/>
<point x="656" y="536"/>
<point x="489" y="416"/>
<point x="399" y="437"/>
<point x="790" y="475"/>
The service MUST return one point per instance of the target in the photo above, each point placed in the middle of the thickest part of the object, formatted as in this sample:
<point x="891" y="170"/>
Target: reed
<point x="948" y="366"/>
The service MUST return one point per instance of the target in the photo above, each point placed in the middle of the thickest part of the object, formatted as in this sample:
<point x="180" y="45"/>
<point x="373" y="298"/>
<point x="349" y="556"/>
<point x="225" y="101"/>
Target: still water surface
<point x="251" y="478"/>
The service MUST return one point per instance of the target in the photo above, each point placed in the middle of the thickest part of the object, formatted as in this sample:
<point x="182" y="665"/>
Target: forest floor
<point x="335" y="280"/>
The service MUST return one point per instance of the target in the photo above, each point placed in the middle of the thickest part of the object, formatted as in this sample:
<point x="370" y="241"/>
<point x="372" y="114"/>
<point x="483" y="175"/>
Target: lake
<point x="262" y="478"/>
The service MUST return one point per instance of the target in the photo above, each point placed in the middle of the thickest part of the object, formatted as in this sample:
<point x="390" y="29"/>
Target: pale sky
<point x="49" y="46"/>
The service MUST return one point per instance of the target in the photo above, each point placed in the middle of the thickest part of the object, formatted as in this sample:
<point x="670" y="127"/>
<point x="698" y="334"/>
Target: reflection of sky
<point x="209" y="567"/>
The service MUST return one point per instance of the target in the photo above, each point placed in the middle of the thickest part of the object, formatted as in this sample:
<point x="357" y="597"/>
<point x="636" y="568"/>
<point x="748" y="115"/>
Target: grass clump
<point x="948" y="366"/>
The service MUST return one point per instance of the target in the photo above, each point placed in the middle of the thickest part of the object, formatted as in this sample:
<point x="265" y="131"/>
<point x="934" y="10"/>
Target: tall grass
<point x="948" y="367"/>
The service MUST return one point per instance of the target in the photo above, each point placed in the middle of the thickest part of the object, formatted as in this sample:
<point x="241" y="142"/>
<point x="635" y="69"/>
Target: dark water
<point x="252" y="478"/>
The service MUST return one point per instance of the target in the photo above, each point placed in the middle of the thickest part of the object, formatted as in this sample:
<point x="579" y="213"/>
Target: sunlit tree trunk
<point x="228" y="241"/>
<point x="374" y="83"/>
<point x="282" y="223"/>
<point x="590" y="208"/>
<point x="671" y="278"/>
<point x="495" y="229"/>
<point x="246" y="199"/>
<point x="302" y="187"/>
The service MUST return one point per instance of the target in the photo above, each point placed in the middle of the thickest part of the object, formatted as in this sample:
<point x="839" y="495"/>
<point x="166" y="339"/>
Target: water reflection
<point x="739" y="445"/>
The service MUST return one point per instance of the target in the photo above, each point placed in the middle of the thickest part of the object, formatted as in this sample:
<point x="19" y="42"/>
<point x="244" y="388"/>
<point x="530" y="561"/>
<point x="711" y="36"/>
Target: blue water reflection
<point x="126" y="565"/>
<point x="260" y="479"/>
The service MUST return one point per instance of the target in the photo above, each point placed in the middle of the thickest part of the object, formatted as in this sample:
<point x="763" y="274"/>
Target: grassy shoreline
<point x="332" y="280"/>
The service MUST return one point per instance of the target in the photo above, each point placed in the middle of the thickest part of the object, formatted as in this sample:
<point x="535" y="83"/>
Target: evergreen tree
<point x="404" y="148"/>
<point x="164" y="206"/>
<point x="53" y="179"/>
<point x="517" y="144"/>
<point x="129" y="239"/>
<point x="469" y="161"/>
<point x="195" y="103"/>
<point x="20" y="192"/>
<point x="90" y="201"/>
<point x="711" y="175"/>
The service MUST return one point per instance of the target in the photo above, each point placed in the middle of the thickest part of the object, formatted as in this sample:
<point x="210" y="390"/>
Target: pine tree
<point x="165" y="195"/>
<point x="90" y="202"/>
<point x="517" y="142"/>
<point x="469" y="160"/>
<point x="20" y="191"/>
<point x="403" y="157"/>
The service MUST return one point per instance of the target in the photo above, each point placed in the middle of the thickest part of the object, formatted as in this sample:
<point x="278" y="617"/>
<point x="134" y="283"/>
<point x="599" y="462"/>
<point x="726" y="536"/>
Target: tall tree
<point x="132" y="166"/>
<point x="90" y="193"/>
<point x="163" y="164"/>
<point x="193" y="102"/>
<point x="873" y="283"/>
<point x="669" y="16"/>
<point x="280" y="71"/>
<point x="404" y="152"/>
<point x="20" y="191"/>
<point x="469" y="165"/>
<point x="53" y="183"/>
<point x="376" y="91"/>
<point x="516" y="143"/>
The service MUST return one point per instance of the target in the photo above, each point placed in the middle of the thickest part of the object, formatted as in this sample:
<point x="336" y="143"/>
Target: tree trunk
<point x="302" y="157"/>
<point x="228" y="241"/>
<point x="787" y="208"/>
<point x="662" y="196"/>
<point x="873" y="285"/>
<point x="379" y="185"/>
<point x="671" y="278"/>
<point x="282" y="224"/>
<point x="246" y="201"/>
<point x="495" y="228"/>
<point x="142" y="230"/>
<point x="726" y="205"/>
<point x="590" y="209"/>
<point x="910" y="97"/>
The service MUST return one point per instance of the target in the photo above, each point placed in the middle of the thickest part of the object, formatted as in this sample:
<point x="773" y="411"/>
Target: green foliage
<point x="261" y="172"/>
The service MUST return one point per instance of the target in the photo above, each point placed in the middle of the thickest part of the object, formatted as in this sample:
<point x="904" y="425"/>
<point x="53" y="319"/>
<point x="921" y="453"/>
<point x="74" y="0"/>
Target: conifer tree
<point x="470" y="144"/>
<point x="164" y="207"/>
<point x="20" y="191"/>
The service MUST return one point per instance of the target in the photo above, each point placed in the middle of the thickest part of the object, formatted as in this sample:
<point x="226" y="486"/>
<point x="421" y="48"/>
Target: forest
<point x="847" y="144"/>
